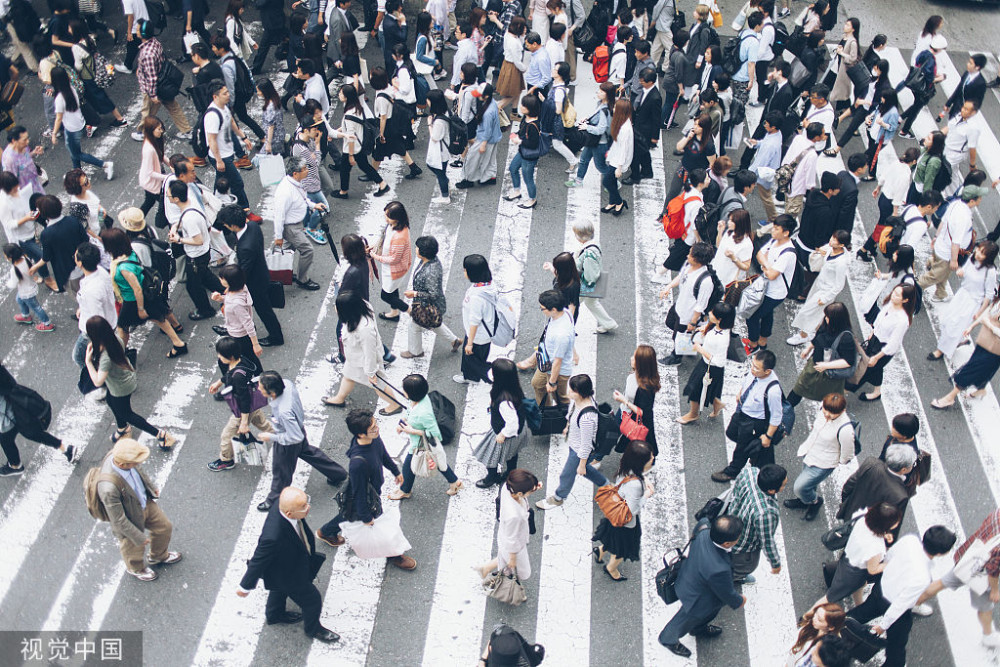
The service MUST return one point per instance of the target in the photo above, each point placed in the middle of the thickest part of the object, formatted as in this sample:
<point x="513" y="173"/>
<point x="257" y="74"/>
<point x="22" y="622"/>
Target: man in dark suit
<point x="780" y="99"/>
<point x="972" y="86"/>
<point x="877" y="481"/>
<point x="646" y="125"/>
<point x="705" y="583"/>
<point x="846" y="201"/>
<point x="338" y="21"/>
<point x="287" y="561"/>
<point x="272" y="16"/>
<point x="60" y="239"/>
<point x="250" y="258"/>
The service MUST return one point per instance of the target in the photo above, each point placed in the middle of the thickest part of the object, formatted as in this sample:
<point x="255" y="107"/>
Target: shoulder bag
<point x="614" y="507"/>
<point x="542" y="359"/>
<point x="505" y="588"/>
<point x="840" y="373"/>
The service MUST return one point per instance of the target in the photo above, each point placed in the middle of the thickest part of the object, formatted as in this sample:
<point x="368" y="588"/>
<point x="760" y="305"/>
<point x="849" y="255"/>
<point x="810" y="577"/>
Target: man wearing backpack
<point x="219" y="128"/>
<point x="923" y="88"/>
<point x="127" y="497"/>
<point x="555" y="349"/>
<point x="693" y="299"/>
<point x="15" y="420"/>
<point x="660" y="19"/>
<point x="147" y="72"/>
<point x="745" y="75"/>
<point x="241" y="88"/>
<point x="272" y="16"/>
<point x="765" y="52"/>
<point x="193" y="234"/>
<point x="954" y="235"/>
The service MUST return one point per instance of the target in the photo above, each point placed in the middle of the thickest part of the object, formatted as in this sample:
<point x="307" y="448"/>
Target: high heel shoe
<point x="619" y="211"/>
<point x="610" y="208"/>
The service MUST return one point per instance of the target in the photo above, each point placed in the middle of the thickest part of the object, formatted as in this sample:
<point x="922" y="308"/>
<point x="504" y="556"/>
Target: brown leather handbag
<point x="612" y="504"/>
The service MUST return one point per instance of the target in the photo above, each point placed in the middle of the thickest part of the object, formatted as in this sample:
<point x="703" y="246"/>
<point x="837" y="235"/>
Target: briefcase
<point x="553" y="420"/>
<point x="276" y="294"/>
<point x="866" y="644"/>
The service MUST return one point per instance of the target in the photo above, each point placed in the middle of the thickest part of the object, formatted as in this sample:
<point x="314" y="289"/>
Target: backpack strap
<point x="767" y="407"/>
<point x="586" y="410"/>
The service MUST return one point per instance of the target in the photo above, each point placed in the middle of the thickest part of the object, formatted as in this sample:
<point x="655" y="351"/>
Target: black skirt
<point x="622" y="542"/>
<point x="694" y="384"/>
<point x="128" y="316"/>
<point x="978" y="370"/>
<point x="677" y="256"/>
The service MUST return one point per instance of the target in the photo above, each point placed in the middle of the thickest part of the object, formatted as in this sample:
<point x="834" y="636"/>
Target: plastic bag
<point x="383" y="539"/>
<point x="271" y="169"/>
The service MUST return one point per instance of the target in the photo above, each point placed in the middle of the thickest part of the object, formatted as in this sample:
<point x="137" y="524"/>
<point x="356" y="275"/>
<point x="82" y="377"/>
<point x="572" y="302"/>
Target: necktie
<point x="746" y="393"/>
<point x="302" y="534"/>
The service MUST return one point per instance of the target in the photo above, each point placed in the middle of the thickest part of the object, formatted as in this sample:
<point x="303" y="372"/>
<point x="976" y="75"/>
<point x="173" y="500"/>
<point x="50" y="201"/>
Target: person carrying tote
<point x="623" y="542"/>
<point x="428" y="296"/>
<point x="513" y="532"/>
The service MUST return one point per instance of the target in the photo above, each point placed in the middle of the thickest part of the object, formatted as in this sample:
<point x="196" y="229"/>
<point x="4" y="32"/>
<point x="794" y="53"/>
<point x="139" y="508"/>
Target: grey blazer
<point x="337" y="26"/>
<point x="123" y="507"/>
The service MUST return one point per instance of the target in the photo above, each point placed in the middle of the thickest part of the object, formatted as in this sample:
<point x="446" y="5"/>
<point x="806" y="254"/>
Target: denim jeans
<point x="80" y="350"/>
<point x="442" y="178"/>
<point x="568" y="476"/>
<point x="598" y="154"/>
<point x="76" y="153"/>
<point x="520" y="166"/>
<point x="610" y="183"/>
<point x="807" y="482"/>
<point x="761" y="323"/>
<point x="232" y="174"/>
<point x="312" y="220"/>
<point x="31" y="305"/>
<point x="33" y="251"/>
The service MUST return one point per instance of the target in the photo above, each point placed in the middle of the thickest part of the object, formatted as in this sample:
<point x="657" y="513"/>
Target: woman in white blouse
<point x="825" y="289"/>
<point x="734" y="247"/>
<point x="510" y="82"/>
<point x="979" y="281"/>
<point x="240" y="39"/>
<point x="622" y="543"/>
<point x="619" y="157"/>
<point x="77" y="186"/>
<point x="704" y="385"/>
<point x="900" y="270"/>
<point x="500" y="446"/>
<point x="886" y="339"/>
<point x="437" y="143"/>
<point x="513" y="532"/>
<point x="931" y="28"/>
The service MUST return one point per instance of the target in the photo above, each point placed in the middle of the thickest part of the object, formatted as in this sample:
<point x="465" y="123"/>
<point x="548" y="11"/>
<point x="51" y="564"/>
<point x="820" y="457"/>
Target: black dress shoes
<point x="310" y="284"/>
<point x="708" y="631"/>
<point x="679" y="649"/>
<point x="288" y="618"/>
<point x="221" y="330"/>
<point x="324" y="635"/>
<point x="270" y="341"/>
<point x="265" y="506"/>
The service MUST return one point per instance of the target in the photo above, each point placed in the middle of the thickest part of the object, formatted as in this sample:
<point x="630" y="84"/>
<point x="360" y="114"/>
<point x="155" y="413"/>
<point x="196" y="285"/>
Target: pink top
<point x="398" y="258"/>
<point x="238" y="311"/>
<point x="151" y="176"/>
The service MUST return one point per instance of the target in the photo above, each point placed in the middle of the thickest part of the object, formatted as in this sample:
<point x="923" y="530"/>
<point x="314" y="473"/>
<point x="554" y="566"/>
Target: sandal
<point x="166" y="441"/>
<point x="685" y="422"/>
<point x="829" y="152"/>
<point x="120" y="433"/>
<point x="177" y="351"/>
<point x="936" y="403"/>
<point x="398" y="495"/>
<point x="179" y="328"/>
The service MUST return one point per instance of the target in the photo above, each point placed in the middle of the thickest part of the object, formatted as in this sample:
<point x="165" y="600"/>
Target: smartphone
<point x="746" y="142"/>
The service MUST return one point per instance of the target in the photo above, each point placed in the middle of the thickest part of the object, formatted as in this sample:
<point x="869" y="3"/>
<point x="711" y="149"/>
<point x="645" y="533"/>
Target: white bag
<point x="190" y="39"/>
<point x="871" y="294"/>
<point x="250" y="453"/>
<point x="684" y="345"/>
<point x="279" y="265"/>
<point x="741" y="19"/>
<point x="383" y="539"/>
<point x="961" y="355"/>
<point x="271" y="169"/>
<point x="212" y="204"/>
<point x="217" y="245"/>
<point x="970" y="569"/>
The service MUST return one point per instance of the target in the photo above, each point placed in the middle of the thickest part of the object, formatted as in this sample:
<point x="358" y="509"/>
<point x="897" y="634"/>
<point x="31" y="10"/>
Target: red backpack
<point x="673" y="219"/>
<point x="601" y="63"/>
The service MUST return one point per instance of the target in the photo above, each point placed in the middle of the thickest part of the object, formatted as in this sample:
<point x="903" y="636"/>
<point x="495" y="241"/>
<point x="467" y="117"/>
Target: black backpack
<point x="731" y="61"/>
<point x="444" y="415"/>
<point x="400" y="123"/>
<point x="607" y="429"/>
<point x="169" y="80"/>
<point x="154" y="288"/>
<point x="368" y="133"/>
<point x="157" y="16"/>
<point x="25" y="20"/>
<point x="780" y="38"/>
<point x="161" y="259"/>
<point x="32" y="413"/>
<point x="458" y="134"/>
<point x="243" y="86"/>
<point x="200" y="96"/>
<point x="199" y="138"/>
<point x="718" y="290"/>
<point x="942" y="179"/>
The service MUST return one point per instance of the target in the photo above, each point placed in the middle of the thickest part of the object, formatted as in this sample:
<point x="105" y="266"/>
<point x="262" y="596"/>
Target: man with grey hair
<point x="589" y="262"/>
<point x="291" y="206"/>
<point x="876" y="481"/>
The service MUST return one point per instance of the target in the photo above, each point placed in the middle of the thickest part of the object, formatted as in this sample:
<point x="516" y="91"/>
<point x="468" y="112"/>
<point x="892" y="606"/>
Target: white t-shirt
<point x="93" y="203"/>
<point x="315" y="89"/>
<point x="689" y="301"/>
<point x="194" y="223"/>
<point x="138" y="10"/>
<point x="72" y="120"/>
<point x="13" y="209"/>
<point x="691" y="208"/>
<point x="916" y="226"/>
<point x="223" y="129"/>
<point x="724" y="267"/>
<point x="476" y="310"/>
<point x="863" y="545"/>
<point x="955" y="228"/>
<point x="783" y="259"/>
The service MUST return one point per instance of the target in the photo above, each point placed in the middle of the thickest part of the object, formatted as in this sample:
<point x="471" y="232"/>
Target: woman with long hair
<point x="350" y="58"/>
<point x="83" y="62"/>
<point x="153" y="168"/>
<point x="619" y="157"/>
<point x="240" y="40"/>
<point x="477" y="307"/>
<point x="596" y="137"/>
<point x="565" y="280"/>
<point x="386" y="143"/>
<point x="818" y="622"/>
<point x="900" y="270"/>
<point x="529" y="146"/>
<point x="623" y="542"/>
<point x="404" y="77"/>
<point x="887" y="338"/>
<point x="828" y="285"/>
<point x="712" y="345"/>
<point x="979" y="370"/>
<point x="84" y="203"/>
<point x="500" y="446"/>
<point x="352" y="131"/>
<point x="832" y="347"/>
<point x="393" y="253"/>
<point x="979" y="281"/>
<point x="848" y="52"/>
<point x="928" y="165"/>
<point x="272" y="118"/>
<point x="641" y="387"/>
<point x="438" y="138"/>
<point x="862" y="106"/>
<point x="882" y="125"/>
<point x="923" y="42"/>
<point x="510" y="81"/>
<point x="127" y="278"/>
<point x="362" y="353"/>
<point x="108" y="366"/>
<point x="425" y="59"/>
<point x="734" y="247"/>
<point x="69" y="117"/>
<point x="698" y="152"/>
<point x="480" y="164"/>
<point x="513" y="533"/>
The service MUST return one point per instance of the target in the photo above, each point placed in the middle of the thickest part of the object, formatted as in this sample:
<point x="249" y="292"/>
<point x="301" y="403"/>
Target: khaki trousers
<point x="232" y="428"/>
<point x="159" y="528"/>
<point x="936" y="274"/>
<point x="538" y="382"/>
<point x="793" y="205"/>
<point x="767" y="199"/>
<point x="149" y="108"/>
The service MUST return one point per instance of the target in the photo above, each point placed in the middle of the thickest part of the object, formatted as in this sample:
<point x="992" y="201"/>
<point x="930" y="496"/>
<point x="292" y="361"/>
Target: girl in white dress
<point x="825" y="289"/>
<point x="735" y="247"/>
<point x="979" y="280"/>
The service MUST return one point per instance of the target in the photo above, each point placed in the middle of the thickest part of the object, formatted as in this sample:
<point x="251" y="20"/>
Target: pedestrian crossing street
<point x="59" y="570"/>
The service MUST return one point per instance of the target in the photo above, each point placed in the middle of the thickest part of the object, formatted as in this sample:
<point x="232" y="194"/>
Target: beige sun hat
<point x="128" y="450"/>
<point x="132" y="219"/>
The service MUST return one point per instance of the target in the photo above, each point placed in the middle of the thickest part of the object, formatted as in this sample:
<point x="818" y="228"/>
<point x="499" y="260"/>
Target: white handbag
<point x="279" y="265"/>
<point x="684" y="345"/>
<point x="970" y="569"/>
<point x="190" y="39"/>
<point x="271" y="169"/>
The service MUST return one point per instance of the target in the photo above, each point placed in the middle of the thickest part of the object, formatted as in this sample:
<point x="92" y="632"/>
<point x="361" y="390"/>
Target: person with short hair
<point x="61" y="236"/>
<point x="427" y="290"/>
<point x="830" y="443"/>
<point x="555" y="348"/>
<point x="95" y="296"/>
<point x="777" y="260"/>
<point x="478" y="311"/>
<point x="803" y="150"/>
<point x="876" y="481"/>
<point x="147" y="72"/>
<point x="695" y="283"/>
<point x="292" y="207"/>
<point x="219" y="129"/>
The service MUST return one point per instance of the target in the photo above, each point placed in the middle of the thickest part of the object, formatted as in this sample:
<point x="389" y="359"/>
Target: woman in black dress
<point x="622" y="543"/>
<point x="641" y="387"/>
<point x="712" y="346"/>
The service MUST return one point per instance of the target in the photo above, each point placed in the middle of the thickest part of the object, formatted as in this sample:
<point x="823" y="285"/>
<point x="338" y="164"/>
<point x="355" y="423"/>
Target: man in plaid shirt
<point x="147" y="72"/>
<point x="753" y="500"/>
<point x="983" y="602"/>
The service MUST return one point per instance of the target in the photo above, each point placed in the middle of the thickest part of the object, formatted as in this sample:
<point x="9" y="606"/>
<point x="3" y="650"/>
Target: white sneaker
<point x="923" y="609"/>
<point x="797" y="339"/>
<point x="183" y="136"/>
<point x="460" y="379"/>
<point x="549" y="503"/>
<point x="121" y="68"/>
<point x="596" y="465"/>
<point x="109" y="169"/>
<point x="441" y="200"/>
<point x="604" y="330"/>
<point x="137" y="136"/>
<point x="992" y="640"/>
<point x="571" y="169"/>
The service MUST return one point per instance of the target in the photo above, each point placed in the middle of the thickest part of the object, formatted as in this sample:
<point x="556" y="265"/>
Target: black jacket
<point x="819" y="219"/>
<point x="646" y="118"/>
<point x="779" y="100"/>
<point x="870" y="485"/>
<point x="705" y="581"/>
<point x="60" y="240"/>
<point x="975" y="91"/>
<point x="846" y="201"/>
<point x="281" y="558"/>
<point x="250" y="257"/>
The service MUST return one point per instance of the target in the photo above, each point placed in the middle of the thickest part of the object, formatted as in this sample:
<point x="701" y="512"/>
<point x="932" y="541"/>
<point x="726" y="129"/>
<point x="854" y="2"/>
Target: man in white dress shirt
<point x="291" y="205"/>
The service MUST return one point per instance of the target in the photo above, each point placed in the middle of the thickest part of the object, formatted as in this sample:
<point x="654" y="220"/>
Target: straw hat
<point x="132" y="219"/>
<point x="128" y="450"/>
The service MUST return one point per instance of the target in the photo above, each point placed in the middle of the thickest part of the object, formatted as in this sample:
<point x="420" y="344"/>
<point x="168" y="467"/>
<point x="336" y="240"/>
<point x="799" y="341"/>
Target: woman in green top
<point x="420" y="421"/>
<point x="930" y="163"/>
<point x="127" y="279"/>
<point x="108" y="366"/>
